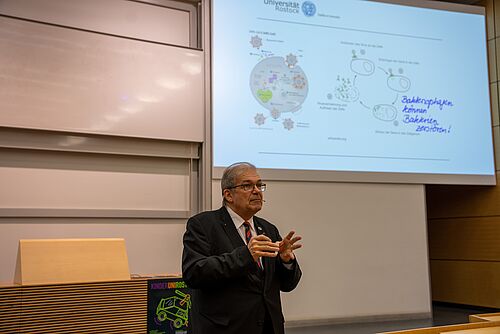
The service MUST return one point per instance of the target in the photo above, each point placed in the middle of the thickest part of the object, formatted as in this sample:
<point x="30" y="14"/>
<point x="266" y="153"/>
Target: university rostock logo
<point x="308" y="8"/>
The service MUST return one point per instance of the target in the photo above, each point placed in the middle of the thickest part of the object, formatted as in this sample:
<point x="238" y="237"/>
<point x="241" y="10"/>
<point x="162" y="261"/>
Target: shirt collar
<point x="237" y="220"/>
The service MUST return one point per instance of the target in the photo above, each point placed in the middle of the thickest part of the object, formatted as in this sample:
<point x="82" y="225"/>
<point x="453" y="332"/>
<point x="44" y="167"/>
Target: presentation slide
<point x="358" y="86"/>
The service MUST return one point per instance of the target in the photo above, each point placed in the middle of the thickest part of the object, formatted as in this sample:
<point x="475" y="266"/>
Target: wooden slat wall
<point x="10" y="309"/>
<point x="464" y="221"/>
<point x="110" y="307"/>
<point x="466" y="282"/>
<point x="468" y="239"/>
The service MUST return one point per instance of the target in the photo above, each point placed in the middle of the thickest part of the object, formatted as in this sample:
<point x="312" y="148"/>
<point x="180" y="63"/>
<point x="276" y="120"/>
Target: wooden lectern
<point x="52" y="261"/>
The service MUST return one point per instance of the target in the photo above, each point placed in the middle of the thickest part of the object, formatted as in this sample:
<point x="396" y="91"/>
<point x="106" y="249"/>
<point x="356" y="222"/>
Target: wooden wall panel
<point x="10" y="309"/>
<point x="491" y="60"/>
<point x="463" y="201"/>
<point x="496" y="142"/>
<point x="494" y="104"/>
<point x="466" y="282"/>
<point x="107" y="307"/>
<point x="490" y="18"/>
<point x="465" y="239"/>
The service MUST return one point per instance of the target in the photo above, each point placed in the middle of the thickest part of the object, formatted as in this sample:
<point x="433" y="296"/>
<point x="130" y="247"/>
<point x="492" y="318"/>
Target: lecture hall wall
<point x="365" y="245"/>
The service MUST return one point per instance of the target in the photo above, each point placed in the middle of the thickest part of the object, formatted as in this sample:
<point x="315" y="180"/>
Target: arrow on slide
<point x="364" y="105"/>
<point x="380" y="68"/>
<point x="397" y="95"/>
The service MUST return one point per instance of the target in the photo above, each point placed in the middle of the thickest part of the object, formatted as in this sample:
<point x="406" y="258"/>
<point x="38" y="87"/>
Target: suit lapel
<point x="236" y="241"/>
<point x="230" y="229"/>
<point x="258" y="226"/>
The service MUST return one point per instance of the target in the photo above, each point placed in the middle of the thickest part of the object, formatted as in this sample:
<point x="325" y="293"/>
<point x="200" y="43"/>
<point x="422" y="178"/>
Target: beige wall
<point x="464" y="221"/>
<point x="152" y="247"/>
<point x="60" y="184"/>
<point x="365" y="249"/>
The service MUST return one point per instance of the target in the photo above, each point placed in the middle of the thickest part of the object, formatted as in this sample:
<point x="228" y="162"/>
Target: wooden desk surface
<point x="484" y="317"/>
<point x="490" y="330"/>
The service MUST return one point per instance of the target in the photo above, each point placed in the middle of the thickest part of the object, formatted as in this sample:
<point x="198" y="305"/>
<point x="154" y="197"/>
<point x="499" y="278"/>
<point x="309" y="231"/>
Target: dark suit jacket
<point x="230" y="293"/>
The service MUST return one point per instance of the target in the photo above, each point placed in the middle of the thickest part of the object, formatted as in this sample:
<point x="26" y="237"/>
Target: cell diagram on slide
<point x="363" y="68"/>
<point x="279" y="85"/>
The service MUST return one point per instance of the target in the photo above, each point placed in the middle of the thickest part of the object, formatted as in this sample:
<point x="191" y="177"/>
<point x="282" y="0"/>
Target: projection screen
<point x="358" y="91"/>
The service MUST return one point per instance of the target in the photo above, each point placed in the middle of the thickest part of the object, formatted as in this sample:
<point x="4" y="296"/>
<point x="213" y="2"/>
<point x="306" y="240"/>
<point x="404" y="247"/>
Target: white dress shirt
<point x="238" y="223"/>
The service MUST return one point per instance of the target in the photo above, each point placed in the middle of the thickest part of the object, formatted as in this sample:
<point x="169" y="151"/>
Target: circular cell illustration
<point x="398" y="83"/>
<point x="278" y="87"/>
<point x="362" y="66"/>
<point x="385" y="112"/>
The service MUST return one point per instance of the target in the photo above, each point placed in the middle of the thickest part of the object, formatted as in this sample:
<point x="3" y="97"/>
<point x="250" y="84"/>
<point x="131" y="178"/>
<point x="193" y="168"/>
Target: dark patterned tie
<point x="248" y="236"/>
<point x="248" y="232"/>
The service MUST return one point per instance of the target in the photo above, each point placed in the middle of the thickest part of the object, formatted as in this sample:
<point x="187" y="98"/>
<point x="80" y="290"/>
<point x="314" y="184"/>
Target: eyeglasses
<point x="250" y="186"/>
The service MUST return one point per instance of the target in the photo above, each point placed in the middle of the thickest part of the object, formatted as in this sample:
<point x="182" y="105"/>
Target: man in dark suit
<point x="237" y="263"/>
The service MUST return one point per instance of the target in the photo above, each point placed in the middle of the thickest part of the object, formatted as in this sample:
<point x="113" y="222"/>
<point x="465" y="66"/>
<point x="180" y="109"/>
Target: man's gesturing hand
<point x="261" y="245"/>
<point x="288" y="245"/>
